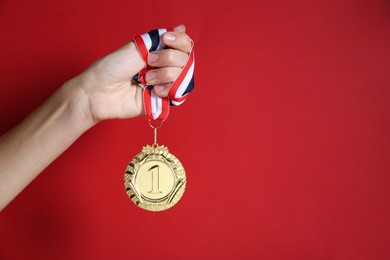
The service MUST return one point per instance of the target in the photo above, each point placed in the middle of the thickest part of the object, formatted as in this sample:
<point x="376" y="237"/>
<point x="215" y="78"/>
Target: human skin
<point x="103" y="91"/>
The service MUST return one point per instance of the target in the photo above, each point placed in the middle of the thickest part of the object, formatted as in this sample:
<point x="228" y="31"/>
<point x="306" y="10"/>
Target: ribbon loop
<point x="157" y="108"/>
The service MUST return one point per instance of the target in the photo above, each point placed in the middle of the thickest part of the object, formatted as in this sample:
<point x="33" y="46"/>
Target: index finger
<point x="178" y="40"/>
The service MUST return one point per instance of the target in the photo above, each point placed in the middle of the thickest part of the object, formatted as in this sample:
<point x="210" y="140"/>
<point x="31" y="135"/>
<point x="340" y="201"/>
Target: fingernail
<point x="169" y="37"/>
<point x="158" y="89"/>
<point x="151" y="75"/>
<point x="152" y="57"/>
<point x="179" y="28"/>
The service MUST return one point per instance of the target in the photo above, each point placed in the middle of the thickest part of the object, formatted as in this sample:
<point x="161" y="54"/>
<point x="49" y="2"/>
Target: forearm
<point x="31" y="146"/>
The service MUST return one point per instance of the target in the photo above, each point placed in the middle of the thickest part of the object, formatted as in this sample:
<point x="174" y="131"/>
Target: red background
<point x="286" y="140"/>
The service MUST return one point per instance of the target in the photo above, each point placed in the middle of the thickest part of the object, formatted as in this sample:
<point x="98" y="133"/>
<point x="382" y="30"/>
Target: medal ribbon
<point x="157" y="108"/>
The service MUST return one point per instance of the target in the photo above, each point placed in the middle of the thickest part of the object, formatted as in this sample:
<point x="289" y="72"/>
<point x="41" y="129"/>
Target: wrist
<point x="77" y="104"/>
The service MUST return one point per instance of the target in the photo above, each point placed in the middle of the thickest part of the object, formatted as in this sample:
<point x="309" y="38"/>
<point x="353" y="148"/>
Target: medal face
<point x="155" y="179"/>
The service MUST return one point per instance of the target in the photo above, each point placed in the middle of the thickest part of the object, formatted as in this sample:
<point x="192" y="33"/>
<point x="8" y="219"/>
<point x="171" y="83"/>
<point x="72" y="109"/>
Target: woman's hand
<point x="105" y="90"/>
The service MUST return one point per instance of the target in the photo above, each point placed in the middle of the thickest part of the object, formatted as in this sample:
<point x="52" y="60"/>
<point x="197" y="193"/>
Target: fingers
<point x="162" y="79"/>
<point x="168" y="62"/>
<point x="167" y="58"/>
<point x="178" y="39"/>
<point x="162" y="75"/>
<point x="176" y="56"/>
<point x="162" y="89"/>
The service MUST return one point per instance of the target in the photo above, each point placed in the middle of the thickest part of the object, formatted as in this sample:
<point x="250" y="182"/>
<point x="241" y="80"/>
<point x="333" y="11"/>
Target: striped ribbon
<point x="157" y="108"/>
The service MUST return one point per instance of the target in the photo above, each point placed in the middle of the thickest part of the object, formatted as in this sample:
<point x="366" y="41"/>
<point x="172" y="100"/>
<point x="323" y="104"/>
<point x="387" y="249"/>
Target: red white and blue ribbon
<point x="157" y="108"/>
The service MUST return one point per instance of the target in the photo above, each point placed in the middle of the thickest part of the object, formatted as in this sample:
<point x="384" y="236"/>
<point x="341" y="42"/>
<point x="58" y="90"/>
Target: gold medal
<point x="155" y="179"/>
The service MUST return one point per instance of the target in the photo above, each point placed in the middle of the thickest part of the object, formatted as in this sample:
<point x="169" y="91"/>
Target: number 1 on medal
<point x="155" y="179"/>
